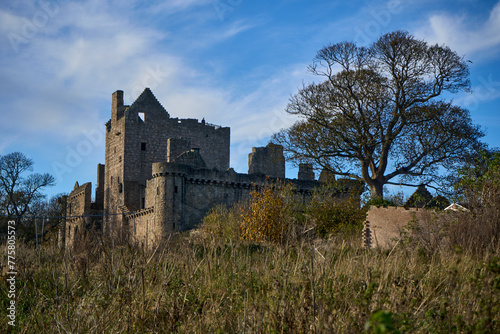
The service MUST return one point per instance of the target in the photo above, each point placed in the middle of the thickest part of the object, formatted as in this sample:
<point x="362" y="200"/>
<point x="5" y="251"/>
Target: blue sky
<point x="234" y="62"/>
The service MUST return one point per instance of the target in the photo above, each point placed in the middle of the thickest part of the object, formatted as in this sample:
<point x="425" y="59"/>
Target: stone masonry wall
<point x="133" y="144"/>
<point x="267" y="160"/>
<point x="177" y="146"/>
<point x="306" y="172"/>
<point x="183" y="195"/>
<point x="78" y="204"/>
<point x="142" y="227"/>
<point x="383" y="226"/>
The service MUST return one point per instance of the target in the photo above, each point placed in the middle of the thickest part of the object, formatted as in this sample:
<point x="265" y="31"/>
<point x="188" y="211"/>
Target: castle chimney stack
<point x="117" y="103"/>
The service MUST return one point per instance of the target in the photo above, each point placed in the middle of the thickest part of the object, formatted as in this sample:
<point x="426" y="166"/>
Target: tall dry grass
<point x="476" y="230"/>
<point x="193" y="284"/>
<point x="442" y="279"/>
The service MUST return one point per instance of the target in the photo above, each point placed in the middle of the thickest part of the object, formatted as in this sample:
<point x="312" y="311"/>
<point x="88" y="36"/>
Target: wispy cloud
<point x="83" y="53"/>
<point x="235" y="65"/>
<point x="236" y="28"/>
<point x="465" y="34"/>
<point x="176" y="6"/>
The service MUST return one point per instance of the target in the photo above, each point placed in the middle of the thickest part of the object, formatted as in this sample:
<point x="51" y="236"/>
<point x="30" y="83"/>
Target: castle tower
<point x="139" y="135"/>
<point x="267" y="160"/>
<point x="114" y="162"/>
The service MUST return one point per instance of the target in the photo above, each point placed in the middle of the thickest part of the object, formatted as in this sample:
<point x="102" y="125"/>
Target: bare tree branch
<point x="17" y="192"/>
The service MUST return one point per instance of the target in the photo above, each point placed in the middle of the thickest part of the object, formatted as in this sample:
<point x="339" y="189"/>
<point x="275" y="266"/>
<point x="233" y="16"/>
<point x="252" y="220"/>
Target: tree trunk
<point x="376" y="189"/>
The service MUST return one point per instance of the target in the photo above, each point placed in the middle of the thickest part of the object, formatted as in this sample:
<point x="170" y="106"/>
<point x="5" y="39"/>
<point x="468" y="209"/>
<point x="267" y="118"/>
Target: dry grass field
<point x="192" y="285"/>
<point x="288" y="278"/>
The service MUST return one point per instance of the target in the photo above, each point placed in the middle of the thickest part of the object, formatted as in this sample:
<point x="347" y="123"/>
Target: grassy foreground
<point x="192" y="285"/>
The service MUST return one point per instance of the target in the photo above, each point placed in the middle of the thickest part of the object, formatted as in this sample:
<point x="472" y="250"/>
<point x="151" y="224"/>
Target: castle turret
<point x="168" y="178"/>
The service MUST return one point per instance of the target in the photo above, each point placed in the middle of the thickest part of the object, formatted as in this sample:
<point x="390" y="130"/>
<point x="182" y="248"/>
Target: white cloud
<point x="175" y="6"/>
<point x="84" y="53"/>
<point x="464" y="36"/>
<point x="9" y="22"/>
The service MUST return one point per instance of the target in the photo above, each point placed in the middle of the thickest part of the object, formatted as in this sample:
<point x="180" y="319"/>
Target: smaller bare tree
<point x="17" y="190"/>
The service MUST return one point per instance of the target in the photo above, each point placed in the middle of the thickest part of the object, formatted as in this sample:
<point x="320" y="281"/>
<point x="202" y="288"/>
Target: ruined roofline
<point x="147" y="97"/>
<point x="179" y="121"/>
<point x="79" y="189"/>
<point x="197" y="121"/>
<point x="147" y="94"/>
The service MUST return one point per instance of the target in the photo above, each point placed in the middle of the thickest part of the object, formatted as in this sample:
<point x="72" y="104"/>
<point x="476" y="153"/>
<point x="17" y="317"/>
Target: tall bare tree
<point x="379" y="114"/>
<point x="17" y="190"/>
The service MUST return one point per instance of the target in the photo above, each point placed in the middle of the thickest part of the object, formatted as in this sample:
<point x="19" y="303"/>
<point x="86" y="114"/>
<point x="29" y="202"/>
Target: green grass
<point x="192" y="285"/>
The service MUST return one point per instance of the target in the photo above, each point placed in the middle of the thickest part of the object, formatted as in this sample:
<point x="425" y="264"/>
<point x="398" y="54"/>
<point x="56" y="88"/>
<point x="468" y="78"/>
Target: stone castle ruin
<point x="163" y="174"/>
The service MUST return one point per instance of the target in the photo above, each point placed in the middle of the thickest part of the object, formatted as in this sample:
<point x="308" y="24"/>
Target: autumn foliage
<point x="266" y="217"/>
<point x="278" y="214"/>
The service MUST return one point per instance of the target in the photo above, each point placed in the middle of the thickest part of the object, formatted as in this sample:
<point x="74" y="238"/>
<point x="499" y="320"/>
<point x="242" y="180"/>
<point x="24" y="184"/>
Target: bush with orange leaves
<point x="277" y="213"/>
<point x="268" y="215"/>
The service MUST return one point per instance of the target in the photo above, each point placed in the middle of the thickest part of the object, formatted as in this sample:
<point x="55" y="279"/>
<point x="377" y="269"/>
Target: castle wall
<point x="177" y="146"/>
<point x="201" y="195"/>
<point x="142" y="228"/>
<point x="133" y="144"/>
<point x="306" y="172"/>
<point x="78" y="204"/>
<point x="384" y="226"/>
<point x="183" y="195"/>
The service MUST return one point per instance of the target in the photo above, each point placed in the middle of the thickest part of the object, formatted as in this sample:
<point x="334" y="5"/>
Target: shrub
<point x="268" y="214"/>
<point x="476" y="230"/>
<point x="379" y="201"/>
<point x="221" y="224"/>
<point x="276" y="214"/>
<point x="334" y="212"/>
<point x="479" y="183"/>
